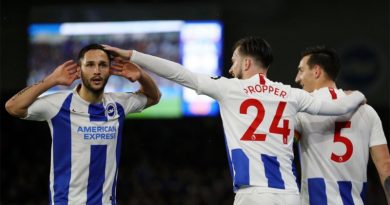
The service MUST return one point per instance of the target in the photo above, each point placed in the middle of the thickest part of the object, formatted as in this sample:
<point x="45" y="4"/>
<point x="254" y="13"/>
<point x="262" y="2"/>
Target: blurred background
<point x="182" y="159"/>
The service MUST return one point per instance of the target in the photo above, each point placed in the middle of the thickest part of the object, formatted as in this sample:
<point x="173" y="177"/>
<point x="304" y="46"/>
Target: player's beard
<point x="239" y="74"/>
<point x="88" y="85"/>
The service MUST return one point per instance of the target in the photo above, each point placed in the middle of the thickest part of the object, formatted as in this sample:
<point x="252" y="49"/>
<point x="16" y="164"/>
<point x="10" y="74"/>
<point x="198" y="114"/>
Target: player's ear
<point x="317" y="71"/>
<point x="247" y="63"/>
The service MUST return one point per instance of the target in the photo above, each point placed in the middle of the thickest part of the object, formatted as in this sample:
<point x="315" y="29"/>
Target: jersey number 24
<point x="250" y="134"/>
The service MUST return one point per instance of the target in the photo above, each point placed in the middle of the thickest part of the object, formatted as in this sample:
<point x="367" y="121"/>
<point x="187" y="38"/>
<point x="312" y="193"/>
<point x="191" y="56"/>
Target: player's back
<point x="258" y="117"/>
<point x="334" y="154"/>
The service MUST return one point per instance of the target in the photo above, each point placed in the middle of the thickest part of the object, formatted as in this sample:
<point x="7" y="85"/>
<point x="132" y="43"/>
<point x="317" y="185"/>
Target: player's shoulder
<point x="222" y="79"/>
<point x="366" y="113"/>
<point x="56" y="96"/>
<point x="281" y="87"/>
<point x="203" y="78"/>
<point x="367" y="110"/>
<point x="217" y="77"/>
<point x="118" y="95"/>
<point x="123" y="97"/>
<point x="276" y="83"/>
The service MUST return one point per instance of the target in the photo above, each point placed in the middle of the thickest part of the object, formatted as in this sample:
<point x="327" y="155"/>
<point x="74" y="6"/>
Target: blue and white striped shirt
<point x="86" y="144"/>
<point x="334" y="153"/>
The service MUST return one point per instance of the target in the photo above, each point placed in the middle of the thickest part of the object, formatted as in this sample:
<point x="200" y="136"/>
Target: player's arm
<point x="381" y="158"/>
<point x="134" y="73"/>
<point x="341" y="106"/>
<point x="162" y="67"/>
<point x="175" y="72"/>
<point x="64" y="74"/>
<point x="379" y="150"/>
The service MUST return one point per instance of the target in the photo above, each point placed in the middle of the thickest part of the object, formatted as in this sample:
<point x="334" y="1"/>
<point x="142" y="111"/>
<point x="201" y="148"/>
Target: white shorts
<point x="266" y="199"/>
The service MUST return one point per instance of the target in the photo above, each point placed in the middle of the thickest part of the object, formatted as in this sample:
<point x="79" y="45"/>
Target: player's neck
<point x="326" y="84"/>
<point x="90" y="96"/>
<point x="253" y="72"/>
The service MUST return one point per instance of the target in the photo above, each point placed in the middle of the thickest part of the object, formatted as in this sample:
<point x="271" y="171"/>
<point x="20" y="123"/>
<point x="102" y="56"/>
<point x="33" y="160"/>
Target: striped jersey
<point x="334" y="153"/>
<point x="258" y="120"/>
<point x="258" y="117"/>
<point x="86" y="142"/>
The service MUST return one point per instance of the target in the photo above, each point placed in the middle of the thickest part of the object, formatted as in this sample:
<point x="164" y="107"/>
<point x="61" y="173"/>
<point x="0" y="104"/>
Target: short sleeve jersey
<point x="334" y="152"/>
<point x="258" y="120"/>
<point x="86" y="141"/>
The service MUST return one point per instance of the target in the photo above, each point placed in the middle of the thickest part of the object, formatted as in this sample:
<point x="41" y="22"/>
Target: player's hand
<point x="124" y="54"/>
<point x="126" y="69"/>
<point x="65" y="74"/>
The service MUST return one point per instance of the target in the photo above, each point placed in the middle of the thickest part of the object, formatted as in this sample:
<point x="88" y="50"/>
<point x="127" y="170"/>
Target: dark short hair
<point x="325" y="57"/>
<point x="93" y="46"/>
<point x="257" y="48"/>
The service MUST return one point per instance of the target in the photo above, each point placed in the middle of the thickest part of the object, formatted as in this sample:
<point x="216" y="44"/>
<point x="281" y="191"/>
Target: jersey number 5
<point x="250" y="134"/>
<point x="344" y="140"/>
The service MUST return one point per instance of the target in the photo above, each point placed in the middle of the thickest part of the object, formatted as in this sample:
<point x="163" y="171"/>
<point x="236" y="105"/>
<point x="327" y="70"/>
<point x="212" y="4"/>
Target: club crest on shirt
<point x="111" y="110"/>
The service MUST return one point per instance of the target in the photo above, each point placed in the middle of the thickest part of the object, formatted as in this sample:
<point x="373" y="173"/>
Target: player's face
<point x="236" y="68"/>
<point x="305" y="76"/>
<point x="95" y="70"/>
